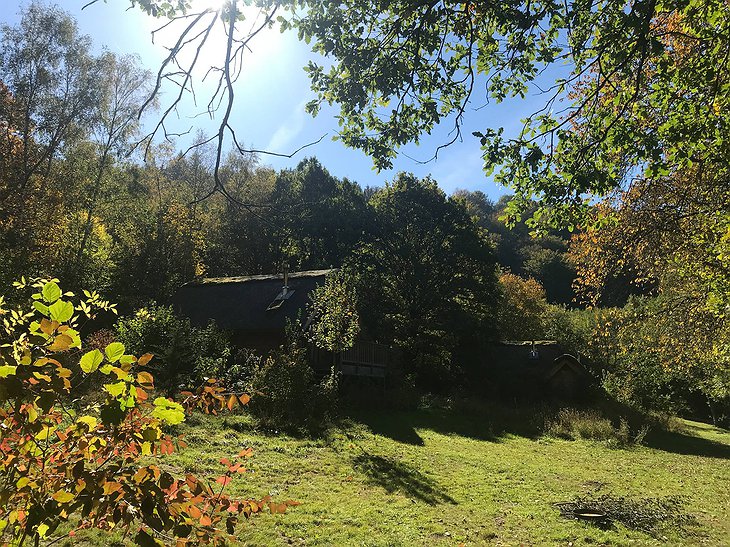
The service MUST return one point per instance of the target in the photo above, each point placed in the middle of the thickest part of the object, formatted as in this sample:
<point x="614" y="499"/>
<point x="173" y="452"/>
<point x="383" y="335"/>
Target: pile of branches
<point x="649" y="515"/>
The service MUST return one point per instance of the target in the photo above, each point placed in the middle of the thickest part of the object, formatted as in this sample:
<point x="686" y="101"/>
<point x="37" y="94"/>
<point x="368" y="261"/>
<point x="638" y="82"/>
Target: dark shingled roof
<point x="240" y="303"/>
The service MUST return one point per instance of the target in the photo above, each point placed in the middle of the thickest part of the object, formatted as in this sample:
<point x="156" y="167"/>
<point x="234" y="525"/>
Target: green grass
<point x="443" y="477"/>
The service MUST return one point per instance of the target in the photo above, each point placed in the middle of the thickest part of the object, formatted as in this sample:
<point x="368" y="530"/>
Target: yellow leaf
<point x="63" y="497"/>
<point x="44" y="433"/>
<point x="32" y="414"/>
<point x="88" y="420"/>
<point x="62" y="342"/>
<point x="42" y="530"/>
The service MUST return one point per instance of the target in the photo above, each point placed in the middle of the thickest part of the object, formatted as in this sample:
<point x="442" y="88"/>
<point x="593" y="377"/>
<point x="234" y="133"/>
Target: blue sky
<point x="270" y="98"/>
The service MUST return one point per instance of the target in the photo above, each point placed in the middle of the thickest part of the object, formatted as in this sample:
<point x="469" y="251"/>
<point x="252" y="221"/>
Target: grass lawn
<point x="445" y="477"/>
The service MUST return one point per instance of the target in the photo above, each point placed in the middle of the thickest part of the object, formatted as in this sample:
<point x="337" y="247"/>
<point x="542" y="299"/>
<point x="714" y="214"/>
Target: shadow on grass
<point x="396" y="426"/>
<point x="491" y="424"/>
<point x="687" y="440"/>
<point x="395" y="476"/>
<point x="689" y="445"/>
<point x="496" y="422"/>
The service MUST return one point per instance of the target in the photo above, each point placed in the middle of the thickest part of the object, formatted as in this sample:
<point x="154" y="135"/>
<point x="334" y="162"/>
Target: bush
<point x="286" y="393"/>
<point x="238" y="376"/>
<point x="184" y="355"/>
<point x="89" y="467"/>
<point x="580" y="424"/>
<point x="570" y="423"/>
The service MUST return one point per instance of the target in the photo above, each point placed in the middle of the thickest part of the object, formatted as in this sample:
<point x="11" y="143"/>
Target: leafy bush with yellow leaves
<point x="58" y="466"/>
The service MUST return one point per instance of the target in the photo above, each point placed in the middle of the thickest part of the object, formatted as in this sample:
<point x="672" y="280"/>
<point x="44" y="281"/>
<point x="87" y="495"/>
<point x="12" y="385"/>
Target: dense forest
<point x="79" y="203"/>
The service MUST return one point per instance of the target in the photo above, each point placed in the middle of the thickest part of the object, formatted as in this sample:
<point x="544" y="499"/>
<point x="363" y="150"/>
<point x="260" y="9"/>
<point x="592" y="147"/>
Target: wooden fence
<point x="362" y="359"/>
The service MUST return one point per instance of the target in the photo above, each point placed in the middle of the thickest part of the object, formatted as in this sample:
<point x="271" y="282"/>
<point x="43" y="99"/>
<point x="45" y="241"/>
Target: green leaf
<point x="168" y="411"/>
<point x="42" y="308"/>
<point x="51" y="292"/>
<point x="91" y="361"/>
<point x="7" y="370"/>
<point x="114" y="351"/>
<point x="115" y="390"/>
<point x="61" y="310"/>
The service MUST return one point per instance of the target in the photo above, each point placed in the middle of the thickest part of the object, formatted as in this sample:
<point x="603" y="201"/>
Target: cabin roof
<point x="539" y="359"/>
<point x="248" y="303"/>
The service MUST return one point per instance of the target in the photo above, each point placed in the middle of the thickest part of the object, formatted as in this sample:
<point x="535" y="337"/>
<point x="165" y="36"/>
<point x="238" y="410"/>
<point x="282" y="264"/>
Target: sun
<point x="199" y="5"/>
<point x="264" y="45"/>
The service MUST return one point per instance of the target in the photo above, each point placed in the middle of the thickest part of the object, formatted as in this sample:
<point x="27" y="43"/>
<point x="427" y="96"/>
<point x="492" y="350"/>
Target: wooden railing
<point x="367" y="353"/>
<point x="363" y="359"/>
<point x="366" y="359"/>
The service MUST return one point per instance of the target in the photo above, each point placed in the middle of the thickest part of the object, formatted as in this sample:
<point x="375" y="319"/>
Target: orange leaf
<point x="140" y="475"/>
<point x="146" y="358"/>
<point x="244" y="399"/>
<point x="110" y="487"/>
<point x="245" y="453"/>
<point x="205" y="520"/>
<point x="48" y="326"/>
<point x="277" y="508"/>
<point x="223" y="479"/>
<point x="62" y="342"/>
<point x="145" y="379"/>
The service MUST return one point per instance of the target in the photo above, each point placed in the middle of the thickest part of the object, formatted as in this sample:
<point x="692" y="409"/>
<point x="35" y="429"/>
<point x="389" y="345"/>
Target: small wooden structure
<point x="535" y="369"/>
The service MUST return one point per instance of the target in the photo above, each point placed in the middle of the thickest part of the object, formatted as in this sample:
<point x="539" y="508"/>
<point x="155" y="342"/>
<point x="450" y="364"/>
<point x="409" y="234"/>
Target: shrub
<point x="60" y="465"/>
<point x="184" y="355"/>
<point x="287" y="393"/>
<point x="333" y="314"/>
<point x="237" y="376"/>
<point x="570" y="423"/>
<point x="580" y="424"/>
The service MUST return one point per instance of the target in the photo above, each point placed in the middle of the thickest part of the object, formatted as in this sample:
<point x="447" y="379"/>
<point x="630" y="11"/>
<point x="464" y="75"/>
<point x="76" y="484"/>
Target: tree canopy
<point x="646" y="92"/>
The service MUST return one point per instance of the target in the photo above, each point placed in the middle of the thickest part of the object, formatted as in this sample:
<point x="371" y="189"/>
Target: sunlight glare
<point x="199" y="5"/>
<point x="263" y="46"/>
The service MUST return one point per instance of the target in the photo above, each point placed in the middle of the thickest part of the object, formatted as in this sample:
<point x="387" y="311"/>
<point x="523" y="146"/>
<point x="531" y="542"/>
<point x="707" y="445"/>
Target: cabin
<point x="535" y="369"/>
<point x="255" y="309"/>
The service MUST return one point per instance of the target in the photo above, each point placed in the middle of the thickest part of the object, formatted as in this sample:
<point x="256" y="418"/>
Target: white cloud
<point x="284" y="136"/>
<point x="459" y="169"/>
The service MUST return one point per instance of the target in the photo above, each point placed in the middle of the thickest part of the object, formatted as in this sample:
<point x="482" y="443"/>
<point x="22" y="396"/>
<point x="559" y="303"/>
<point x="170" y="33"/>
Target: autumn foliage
<point x="96" y="467"/>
